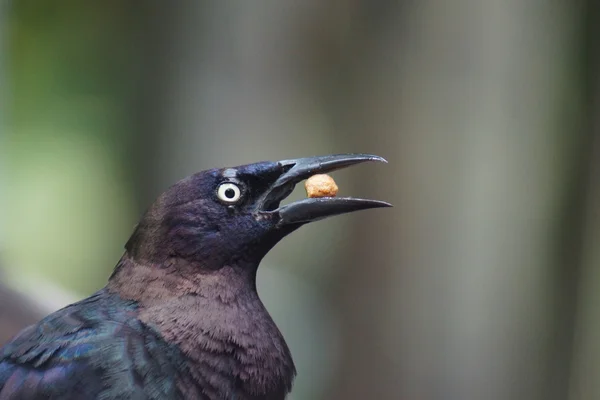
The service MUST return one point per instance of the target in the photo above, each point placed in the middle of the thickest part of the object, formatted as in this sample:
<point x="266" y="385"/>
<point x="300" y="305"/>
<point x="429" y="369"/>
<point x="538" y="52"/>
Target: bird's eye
<point x="229" y="192"/>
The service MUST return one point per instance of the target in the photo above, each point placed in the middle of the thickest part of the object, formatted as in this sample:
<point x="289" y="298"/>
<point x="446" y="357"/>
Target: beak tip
<point x="380" y="204"/>
<point x="379" y="159"/>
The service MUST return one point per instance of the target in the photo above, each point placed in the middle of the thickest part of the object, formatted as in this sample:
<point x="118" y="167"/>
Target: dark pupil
<point x="230" y="193"/>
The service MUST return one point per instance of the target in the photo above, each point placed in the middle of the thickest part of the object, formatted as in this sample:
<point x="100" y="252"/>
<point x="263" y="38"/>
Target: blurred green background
<point x="482" y="283"/>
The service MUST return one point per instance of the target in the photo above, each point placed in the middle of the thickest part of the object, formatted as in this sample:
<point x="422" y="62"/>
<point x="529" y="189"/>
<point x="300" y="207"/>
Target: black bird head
<point x="232" y="216"/>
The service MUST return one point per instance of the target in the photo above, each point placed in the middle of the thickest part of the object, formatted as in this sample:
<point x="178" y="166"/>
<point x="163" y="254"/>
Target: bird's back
<point x="96" y="348"/>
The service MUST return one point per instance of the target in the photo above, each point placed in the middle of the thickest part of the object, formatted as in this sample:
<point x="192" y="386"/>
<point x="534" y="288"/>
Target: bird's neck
<point x="152" y="284"/>
<point x="210" y="315"/>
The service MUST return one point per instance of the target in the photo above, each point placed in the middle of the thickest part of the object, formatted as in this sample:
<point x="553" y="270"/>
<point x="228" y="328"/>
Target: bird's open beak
<point x="312" y="209"/>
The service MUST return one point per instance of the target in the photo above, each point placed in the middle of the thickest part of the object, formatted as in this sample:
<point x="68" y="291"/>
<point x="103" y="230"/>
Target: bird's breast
<point x="228" y="347"/>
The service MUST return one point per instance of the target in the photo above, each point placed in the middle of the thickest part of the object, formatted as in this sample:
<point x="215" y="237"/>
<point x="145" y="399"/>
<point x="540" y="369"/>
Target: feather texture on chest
<point x="229" y="342"/>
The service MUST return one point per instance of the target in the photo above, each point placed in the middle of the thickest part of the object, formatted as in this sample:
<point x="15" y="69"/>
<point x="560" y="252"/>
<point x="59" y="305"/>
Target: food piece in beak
<point x="320" y="185"/>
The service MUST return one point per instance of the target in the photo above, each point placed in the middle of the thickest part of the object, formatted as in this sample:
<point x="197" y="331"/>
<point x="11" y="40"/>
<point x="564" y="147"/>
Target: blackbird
<point x="180" y="317"/>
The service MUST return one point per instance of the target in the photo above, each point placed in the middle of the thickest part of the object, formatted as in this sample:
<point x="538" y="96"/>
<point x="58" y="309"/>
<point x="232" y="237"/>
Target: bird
<point x="180" y="316"/>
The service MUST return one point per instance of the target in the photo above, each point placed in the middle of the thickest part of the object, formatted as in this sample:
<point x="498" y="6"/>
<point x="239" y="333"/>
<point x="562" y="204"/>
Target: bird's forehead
<point x="229" y="173"/>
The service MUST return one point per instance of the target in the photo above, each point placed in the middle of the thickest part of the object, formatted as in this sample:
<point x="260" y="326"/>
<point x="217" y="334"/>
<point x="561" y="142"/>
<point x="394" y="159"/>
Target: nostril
<point x="287" y="167"/>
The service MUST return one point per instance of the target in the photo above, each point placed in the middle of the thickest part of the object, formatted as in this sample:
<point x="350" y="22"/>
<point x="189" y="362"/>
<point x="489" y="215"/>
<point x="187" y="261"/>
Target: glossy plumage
<point x="79" y="352"/>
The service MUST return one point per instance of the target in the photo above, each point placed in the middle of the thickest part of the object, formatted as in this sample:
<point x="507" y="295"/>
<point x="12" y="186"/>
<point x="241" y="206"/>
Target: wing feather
<point x="92" y="349"/>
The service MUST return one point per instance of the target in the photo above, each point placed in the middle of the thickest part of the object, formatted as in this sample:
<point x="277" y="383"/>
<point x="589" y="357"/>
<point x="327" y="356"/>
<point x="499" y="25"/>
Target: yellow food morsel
<point x="320" y="185"/>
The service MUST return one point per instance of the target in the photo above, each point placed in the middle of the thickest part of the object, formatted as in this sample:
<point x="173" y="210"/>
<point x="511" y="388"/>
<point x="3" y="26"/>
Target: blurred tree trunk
<point x="586" y="357"/>
<point x="468" y="290"/>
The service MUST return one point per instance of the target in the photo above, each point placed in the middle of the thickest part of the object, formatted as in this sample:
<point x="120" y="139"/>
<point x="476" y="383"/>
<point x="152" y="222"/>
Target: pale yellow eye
<point x="229" y="192"/>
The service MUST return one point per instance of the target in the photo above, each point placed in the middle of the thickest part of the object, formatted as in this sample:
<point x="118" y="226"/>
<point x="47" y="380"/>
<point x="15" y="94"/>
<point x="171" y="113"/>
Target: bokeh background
<point x="483" y="282"/>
